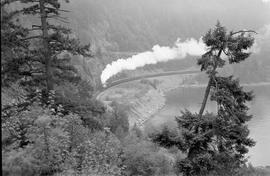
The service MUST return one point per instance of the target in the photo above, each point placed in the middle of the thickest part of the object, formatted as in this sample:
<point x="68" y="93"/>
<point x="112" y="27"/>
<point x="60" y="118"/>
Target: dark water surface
<point x="191" y="98"/>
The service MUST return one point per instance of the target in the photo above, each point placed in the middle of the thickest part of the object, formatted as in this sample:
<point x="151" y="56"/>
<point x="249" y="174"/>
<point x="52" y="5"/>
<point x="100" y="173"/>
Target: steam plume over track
<point x="158" y="54"/>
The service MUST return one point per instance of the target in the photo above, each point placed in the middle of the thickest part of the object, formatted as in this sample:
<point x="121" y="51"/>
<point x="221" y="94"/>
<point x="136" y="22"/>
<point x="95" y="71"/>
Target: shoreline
<point x="148" y="105"/>
<point x="198" y="86"/>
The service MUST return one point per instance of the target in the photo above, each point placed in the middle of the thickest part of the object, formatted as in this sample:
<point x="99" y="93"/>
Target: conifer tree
<point x="38" y="58"/>
<point x="47" y="47"/>
<point x="216" y="144"/>
<point x="55" y="39"/>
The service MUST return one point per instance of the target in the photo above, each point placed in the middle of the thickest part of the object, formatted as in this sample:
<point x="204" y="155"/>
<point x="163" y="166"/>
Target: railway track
<point x="125" y="80"/>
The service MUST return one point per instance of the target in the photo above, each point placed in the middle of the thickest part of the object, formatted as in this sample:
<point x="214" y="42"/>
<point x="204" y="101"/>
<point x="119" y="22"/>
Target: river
<point x="190" y="98"/>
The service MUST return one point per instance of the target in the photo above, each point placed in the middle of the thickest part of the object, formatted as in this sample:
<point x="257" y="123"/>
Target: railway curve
<point x="125" y="80"/>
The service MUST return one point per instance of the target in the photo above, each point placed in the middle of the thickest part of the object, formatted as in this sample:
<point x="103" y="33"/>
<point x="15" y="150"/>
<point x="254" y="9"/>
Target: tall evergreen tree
<point x="38" y="57"/>
<point x="47" y="47"/>
<point x="216" y="143"/>
<point x="55" y="40"/>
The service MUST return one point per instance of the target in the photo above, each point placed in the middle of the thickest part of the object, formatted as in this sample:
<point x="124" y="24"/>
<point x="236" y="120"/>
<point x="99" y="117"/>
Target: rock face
<point x="143" y="99"/>
<point x="139" y="99"/>
<point x="147" y="105"/>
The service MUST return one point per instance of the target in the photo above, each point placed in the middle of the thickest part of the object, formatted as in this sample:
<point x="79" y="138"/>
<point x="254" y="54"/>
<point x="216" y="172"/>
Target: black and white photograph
<point x="135" y="87"/>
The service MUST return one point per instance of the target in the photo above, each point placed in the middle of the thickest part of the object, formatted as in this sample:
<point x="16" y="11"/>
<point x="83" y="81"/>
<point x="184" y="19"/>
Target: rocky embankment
<point x="144" y="107"/>
<point x="144" y="98"/>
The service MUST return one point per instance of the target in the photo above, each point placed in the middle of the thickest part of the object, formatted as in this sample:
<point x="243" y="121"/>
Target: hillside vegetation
<point x="53" y="125"/>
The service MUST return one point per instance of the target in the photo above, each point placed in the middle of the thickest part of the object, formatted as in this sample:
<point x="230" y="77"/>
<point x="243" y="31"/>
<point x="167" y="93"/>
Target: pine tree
<point x="55" y="39"/>
<point x="216" y="143"/>
<point x="42" y="53"/>
<point x="37" y="58"/>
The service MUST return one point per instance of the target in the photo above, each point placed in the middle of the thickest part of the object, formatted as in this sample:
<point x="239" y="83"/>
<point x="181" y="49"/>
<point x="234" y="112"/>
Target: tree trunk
<point x="207" y="90"/>
<point x="46" y="53"/>
<point x="206" y="94"/>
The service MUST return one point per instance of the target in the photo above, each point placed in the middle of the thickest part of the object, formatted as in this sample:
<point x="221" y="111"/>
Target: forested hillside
<point x="52" y="55"/>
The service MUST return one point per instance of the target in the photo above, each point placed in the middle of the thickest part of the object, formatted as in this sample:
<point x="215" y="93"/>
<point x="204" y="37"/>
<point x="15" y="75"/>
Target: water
<point x="191" y="98"/>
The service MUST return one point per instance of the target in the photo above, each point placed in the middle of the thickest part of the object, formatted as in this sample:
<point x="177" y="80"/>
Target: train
<point x="109" y="84"/>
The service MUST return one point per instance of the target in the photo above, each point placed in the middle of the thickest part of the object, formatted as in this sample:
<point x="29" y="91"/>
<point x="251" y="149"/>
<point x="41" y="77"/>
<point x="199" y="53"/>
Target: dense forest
<point x="52" y="125"/>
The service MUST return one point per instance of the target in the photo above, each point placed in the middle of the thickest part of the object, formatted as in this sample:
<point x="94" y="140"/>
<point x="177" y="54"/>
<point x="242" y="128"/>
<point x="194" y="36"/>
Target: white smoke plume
<point x="158" y="54"/>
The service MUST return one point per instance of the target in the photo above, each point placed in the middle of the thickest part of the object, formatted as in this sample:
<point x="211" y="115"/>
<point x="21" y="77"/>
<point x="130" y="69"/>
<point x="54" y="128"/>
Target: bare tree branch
<point x="244" y="31"/>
